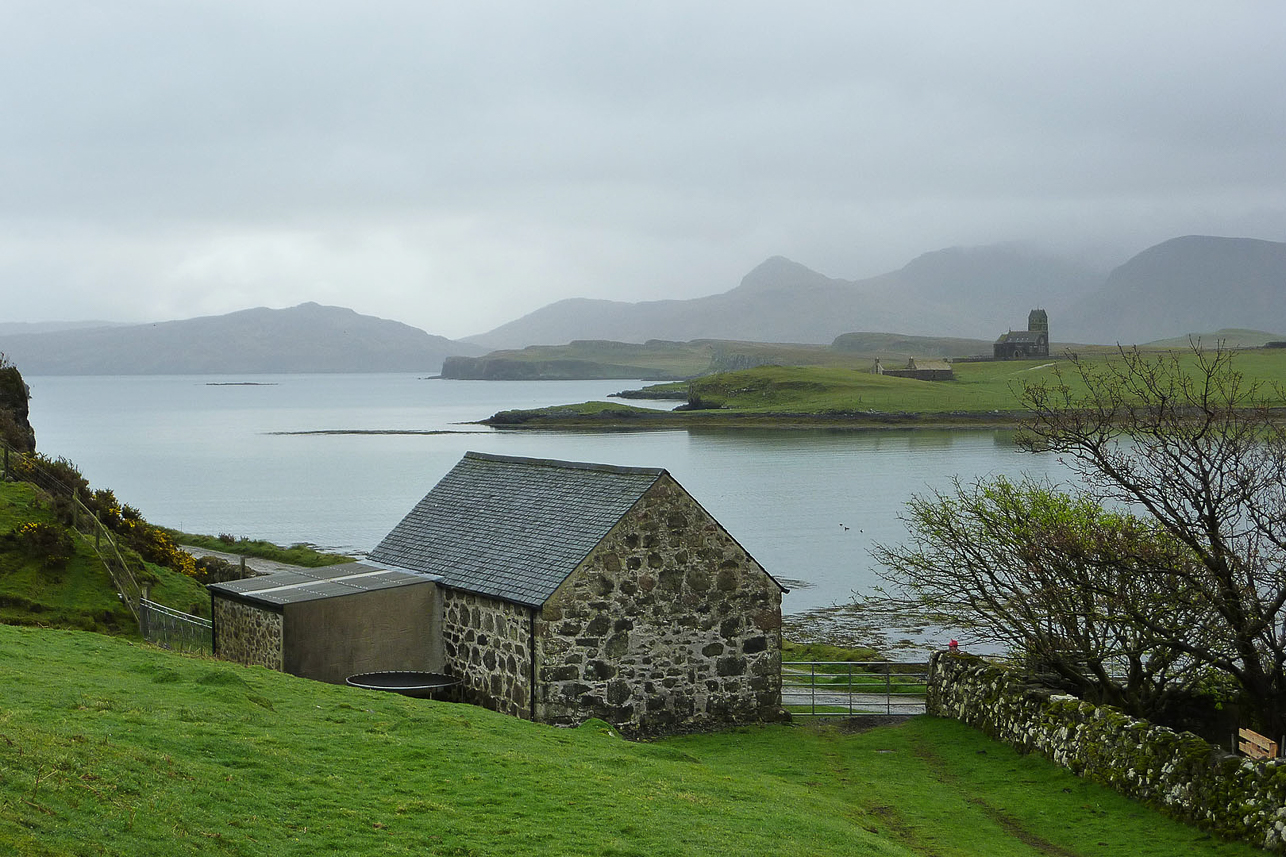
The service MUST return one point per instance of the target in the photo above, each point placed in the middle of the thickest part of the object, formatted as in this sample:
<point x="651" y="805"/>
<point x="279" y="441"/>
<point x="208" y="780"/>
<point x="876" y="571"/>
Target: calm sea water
<point x="204" y="455"/>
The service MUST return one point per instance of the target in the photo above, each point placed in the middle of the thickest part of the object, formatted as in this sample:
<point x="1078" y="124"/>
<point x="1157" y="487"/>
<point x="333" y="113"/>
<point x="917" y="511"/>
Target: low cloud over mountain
<point x="1191" y="284"/>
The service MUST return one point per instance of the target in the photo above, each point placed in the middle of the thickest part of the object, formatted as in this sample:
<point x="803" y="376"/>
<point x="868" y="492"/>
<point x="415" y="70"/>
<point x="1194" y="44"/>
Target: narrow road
<point x="254" y="563"/>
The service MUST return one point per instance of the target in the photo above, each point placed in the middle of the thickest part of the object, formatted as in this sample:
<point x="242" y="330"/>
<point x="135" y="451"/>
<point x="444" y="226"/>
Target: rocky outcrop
<point x="15" y="429"/>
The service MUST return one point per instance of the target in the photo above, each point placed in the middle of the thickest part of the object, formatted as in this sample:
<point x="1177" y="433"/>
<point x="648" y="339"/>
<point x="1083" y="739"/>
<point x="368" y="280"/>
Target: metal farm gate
<point x="853" y="688"/>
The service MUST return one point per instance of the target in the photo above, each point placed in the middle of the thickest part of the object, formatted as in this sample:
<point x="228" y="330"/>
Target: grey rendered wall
<point x="388" y="629"/>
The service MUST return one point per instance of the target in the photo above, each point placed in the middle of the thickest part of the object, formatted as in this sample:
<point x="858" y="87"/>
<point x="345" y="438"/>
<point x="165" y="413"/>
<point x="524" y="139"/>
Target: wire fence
<point x="20" y="465"/>
<point x="173" y="629"/>
<point x="853" y="688"/>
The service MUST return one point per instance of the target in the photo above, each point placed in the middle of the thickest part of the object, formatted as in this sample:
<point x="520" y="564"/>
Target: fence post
<point x="243" y="568"/>
<point x="143" y="613"/>
<point x="888" y="689"/>
<point x="812" y="690"/>
<point x="850" y="690"/>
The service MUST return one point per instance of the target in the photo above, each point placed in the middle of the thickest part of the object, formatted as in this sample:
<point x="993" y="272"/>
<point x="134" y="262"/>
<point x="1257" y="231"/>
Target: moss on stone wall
<point x="1177" y="772"/>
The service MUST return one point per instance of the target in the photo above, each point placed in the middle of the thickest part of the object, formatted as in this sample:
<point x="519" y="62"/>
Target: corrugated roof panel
<point x="311" y="584"/>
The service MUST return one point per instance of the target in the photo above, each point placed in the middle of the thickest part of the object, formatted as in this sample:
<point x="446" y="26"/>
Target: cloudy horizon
<point x="456" y="167"/>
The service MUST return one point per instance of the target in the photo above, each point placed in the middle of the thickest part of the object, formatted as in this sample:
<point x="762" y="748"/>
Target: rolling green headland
<point x="982" y="394"/>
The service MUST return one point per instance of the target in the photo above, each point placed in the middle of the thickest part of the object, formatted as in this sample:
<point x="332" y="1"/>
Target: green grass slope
<point x="1231" y="337"/>
<point x="79" y="594"/>
<point x="108" y="747"/>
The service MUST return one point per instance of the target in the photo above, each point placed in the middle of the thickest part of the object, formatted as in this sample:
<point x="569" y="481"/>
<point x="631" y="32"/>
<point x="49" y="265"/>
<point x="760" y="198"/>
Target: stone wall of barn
<point x="247" y="634"/>
<point x="486" y="644"/>
<point x="667" y="626"/>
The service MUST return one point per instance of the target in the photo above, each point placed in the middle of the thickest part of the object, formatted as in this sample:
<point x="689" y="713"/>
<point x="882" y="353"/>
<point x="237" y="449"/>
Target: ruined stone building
<point x="554" y="591"/>
<point x="1032" y="342"/>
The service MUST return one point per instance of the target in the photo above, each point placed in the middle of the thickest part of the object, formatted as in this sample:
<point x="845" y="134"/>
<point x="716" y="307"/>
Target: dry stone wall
<point x="667" y="626"/>
<point x="486" y="644"/>
<point x="1174" y="771"/>
<point x="247" y="634"/>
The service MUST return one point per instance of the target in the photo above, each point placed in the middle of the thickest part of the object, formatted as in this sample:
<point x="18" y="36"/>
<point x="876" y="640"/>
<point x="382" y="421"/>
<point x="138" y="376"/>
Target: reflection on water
<point x="808" y="504"/>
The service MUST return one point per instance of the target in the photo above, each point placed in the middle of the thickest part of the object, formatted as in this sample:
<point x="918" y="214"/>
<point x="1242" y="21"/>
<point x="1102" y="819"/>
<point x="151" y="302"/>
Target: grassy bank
<point x="108" y="747"/>
<point x="297" y="554"/>
<point x="982" y="394"/>
<point x="77" y="593"/>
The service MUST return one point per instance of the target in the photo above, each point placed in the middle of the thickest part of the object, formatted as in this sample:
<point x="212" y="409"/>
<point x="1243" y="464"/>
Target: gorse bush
<point x="212" y="569"/>
<point x="67" y="485"/>
<point x="52" y="474"/>
<point x="50" y="544"/>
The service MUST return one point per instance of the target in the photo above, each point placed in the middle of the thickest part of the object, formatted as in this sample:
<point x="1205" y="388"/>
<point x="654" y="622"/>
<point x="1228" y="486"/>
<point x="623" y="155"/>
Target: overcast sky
<point x="455" y="165"/>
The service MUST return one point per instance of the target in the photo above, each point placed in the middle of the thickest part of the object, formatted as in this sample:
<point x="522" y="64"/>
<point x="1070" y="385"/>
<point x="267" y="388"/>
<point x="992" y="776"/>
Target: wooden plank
<point x="1256" y="746"/>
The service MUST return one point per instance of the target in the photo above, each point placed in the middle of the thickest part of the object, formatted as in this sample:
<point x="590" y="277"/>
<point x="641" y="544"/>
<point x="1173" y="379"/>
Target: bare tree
<point x="1186" y="439"/>
<point x="1194" y="579"/>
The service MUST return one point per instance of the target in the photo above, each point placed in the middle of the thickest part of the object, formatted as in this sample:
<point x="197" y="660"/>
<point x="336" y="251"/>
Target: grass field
<point x="111" y="747"/>
<point x="79" y="594"/>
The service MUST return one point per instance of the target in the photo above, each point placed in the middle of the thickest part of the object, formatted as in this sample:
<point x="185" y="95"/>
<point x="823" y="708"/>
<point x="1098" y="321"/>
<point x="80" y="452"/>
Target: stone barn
<point x="573" y="590"/>
<point x="330" y="623"/>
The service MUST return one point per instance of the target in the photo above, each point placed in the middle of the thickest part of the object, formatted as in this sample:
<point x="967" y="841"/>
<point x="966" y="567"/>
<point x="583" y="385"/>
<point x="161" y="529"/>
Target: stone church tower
<point x="1038" y="322"/>
<point x="1020" y="344"/>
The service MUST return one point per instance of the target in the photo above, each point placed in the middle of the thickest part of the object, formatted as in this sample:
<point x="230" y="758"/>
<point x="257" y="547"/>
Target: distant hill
<point x="660" y="360"/>
<point x="13" y="328"/>
<point x="306" y="338"/>
<point x="1182" y="285"/>
<point x="960" y="292"/>
<point x="895" y="345"/>
<point x="1232" y="337"/>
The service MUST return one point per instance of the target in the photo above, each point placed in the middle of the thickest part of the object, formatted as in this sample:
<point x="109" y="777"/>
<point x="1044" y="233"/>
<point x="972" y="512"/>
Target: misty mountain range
<point x="306" y="338"/>
<point x="1193" y="284"/>
<point x="1190" y="284"/>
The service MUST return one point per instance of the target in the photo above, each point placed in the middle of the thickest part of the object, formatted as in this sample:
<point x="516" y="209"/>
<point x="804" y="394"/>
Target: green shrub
<point x="50" y="544"/>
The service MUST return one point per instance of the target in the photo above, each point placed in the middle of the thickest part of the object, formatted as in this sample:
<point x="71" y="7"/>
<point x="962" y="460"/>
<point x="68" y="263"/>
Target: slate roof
<point x="312" y="584"/>
<point x="513" y="528"/>
<point x="1020" y="336"/>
